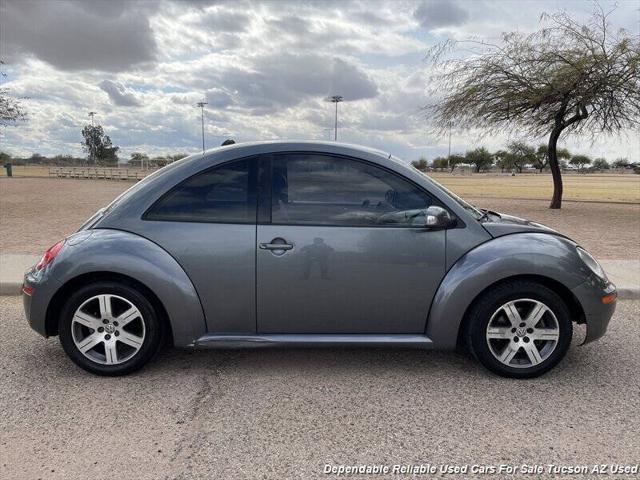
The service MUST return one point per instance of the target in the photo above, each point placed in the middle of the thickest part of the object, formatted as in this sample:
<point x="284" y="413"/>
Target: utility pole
<point x="91" y="114"/>
<point x="336" y="99"/>
<point x="201" y="105"/>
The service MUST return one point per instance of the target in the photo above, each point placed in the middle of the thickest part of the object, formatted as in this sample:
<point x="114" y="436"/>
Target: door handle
<point x="276" y="246"/>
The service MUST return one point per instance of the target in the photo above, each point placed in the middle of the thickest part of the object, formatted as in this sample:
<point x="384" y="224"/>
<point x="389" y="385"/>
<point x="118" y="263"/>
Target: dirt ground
<point x="607" y="230"/>
<point x="36" y="212"/>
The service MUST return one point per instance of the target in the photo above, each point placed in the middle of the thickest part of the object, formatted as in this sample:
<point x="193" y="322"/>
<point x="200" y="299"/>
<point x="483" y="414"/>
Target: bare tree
<point x="565" y="78"/>
<point x="11" y="110"/>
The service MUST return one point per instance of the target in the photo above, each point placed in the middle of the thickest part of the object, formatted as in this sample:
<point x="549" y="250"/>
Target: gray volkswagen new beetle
<point x="301" y="243"/>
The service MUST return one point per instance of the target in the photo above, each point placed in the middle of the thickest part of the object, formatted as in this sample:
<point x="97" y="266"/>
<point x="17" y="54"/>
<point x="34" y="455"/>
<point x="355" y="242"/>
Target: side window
<point x="324" y="190"/>
<point x="224" y="194"/>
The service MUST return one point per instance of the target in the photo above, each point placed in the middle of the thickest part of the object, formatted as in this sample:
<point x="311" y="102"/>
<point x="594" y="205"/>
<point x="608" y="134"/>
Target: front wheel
<point x="109" y="328"/>
<point x="519" y="329"/>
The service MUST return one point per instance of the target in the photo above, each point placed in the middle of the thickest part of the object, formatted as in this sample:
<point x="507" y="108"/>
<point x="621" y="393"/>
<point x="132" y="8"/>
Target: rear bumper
<point x="36" y="304"/>
<point x="597" y="313"/>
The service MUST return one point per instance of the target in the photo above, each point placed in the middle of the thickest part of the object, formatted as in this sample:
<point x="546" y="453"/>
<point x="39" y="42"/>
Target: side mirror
<point x="437" y="218"/>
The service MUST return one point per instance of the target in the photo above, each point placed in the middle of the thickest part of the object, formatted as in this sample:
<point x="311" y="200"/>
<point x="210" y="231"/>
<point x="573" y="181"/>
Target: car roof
<point x="270" y="146"/>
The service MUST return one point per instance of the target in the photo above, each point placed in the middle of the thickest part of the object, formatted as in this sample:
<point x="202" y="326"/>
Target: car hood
<point x="499" y="224"/>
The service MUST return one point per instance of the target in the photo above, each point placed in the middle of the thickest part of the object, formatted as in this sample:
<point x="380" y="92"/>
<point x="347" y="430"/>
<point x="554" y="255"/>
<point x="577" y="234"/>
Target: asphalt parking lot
<point x="286" y="413"/>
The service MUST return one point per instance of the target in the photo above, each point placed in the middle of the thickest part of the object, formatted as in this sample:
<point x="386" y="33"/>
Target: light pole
<point x="336" y="99"/>
<point x="449" y="156"/>
<point x="201" y="105"/>
<point x="91" y="159"/>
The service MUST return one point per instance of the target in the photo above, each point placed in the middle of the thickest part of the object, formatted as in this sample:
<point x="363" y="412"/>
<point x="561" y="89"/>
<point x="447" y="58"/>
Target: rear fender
<point x="125" y="253"/>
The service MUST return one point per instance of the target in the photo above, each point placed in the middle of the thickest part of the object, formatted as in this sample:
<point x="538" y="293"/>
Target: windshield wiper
<point x="486" y="213"/>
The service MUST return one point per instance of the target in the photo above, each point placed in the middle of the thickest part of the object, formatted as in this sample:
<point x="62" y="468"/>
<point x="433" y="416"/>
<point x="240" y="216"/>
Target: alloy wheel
<point x="522" y="333"/>
<point x="108" y="329"/>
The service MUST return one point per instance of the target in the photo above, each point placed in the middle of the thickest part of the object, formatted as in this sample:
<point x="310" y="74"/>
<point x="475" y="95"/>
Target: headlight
<point x="591" y="262"/>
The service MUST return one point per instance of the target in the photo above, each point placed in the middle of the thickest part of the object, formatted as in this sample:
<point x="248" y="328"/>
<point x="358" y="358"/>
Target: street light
<point x="201" y="105"/>
<point x="336" y="99"/>
<point x="91" y="159"/>
<point x="449" y="156"/>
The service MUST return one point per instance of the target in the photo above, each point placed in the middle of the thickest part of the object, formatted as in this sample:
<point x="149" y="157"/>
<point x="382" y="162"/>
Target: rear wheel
<point x="519" y="329"/>
<point x="109" y="328"/>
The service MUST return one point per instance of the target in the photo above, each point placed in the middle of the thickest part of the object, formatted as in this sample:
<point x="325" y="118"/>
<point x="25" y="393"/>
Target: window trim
<point x="263" y="193"/>
<point x="254" y="165"/>
<point x="270" y="158"/>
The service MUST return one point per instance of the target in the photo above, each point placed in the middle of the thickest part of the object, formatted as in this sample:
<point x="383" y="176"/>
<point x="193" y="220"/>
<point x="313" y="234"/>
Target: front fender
<point x="104" y="250"/>
<point x="538" y="254"/>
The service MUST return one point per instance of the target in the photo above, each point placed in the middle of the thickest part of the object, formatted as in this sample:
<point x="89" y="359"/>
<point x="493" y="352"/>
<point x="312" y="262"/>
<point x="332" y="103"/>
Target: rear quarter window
<point x="223" y="194"/>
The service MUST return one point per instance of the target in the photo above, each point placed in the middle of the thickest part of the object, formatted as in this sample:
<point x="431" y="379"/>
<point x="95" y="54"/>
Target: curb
<point x="628" y="293"/>
<point x="10" y="288"/>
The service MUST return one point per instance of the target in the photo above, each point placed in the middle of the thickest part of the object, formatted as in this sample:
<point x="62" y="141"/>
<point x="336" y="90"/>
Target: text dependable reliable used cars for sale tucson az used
<point x="301" y="243"/>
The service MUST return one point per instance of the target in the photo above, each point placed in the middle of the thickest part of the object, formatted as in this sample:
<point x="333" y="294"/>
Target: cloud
<point x="265" y="69"/>
<point x="118" y="94"/>
<point x="218" y="98"/>
<point x="285" y="80"/>
<point x="440" y="13"/>
<point x="107" y="36"/>
<point x="221" y="21"/>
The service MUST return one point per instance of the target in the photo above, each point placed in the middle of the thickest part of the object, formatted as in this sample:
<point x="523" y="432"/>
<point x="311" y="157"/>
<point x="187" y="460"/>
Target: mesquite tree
<point x="11" y="110"/>
<point x="580" y="161"/>
<point x="565" y="78"/>
<point x="480" y="158"/>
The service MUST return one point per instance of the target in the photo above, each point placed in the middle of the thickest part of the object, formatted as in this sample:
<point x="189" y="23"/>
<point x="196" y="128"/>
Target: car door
<point x="208" y="224"/>
<point x="344" y="250"/>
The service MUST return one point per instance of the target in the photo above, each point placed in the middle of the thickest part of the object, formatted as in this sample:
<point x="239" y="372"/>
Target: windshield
<point x="463" y="203"/>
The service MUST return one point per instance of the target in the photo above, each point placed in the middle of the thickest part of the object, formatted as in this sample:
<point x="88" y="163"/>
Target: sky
<point x="264" y="68"/>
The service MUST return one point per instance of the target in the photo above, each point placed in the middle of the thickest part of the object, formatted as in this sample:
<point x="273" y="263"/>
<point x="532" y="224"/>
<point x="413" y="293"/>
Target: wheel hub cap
<point x="521" y="331"/>
<point x="109" y="328"/>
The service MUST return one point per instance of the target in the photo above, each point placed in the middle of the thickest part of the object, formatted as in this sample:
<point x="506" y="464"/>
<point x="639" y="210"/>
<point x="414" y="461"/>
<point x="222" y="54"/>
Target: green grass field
<point x="581" y="187"/>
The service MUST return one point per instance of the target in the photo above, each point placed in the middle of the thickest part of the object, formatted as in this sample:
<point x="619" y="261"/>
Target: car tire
<point x="109" y="328"/>
<point x="519" y="329"/>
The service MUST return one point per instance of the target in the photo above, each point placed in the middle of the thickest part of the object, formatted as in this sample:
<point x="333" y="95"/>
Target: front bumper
<point x="597" y="313"/>
<point x="35" y="304"/>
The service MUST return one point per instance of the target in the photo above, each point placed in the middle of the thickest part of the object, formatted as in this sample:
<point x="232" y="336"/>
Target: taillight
<point x="49" y="255"/>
